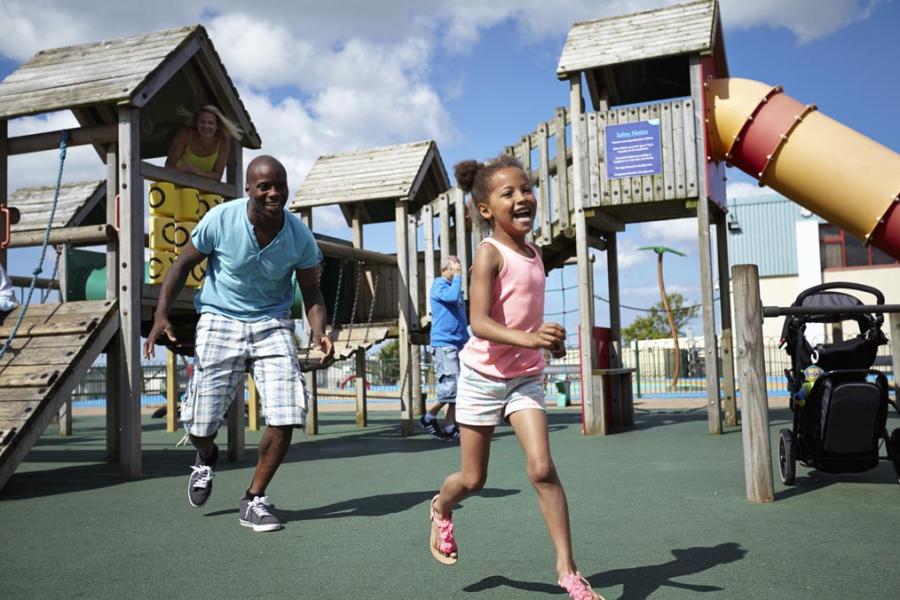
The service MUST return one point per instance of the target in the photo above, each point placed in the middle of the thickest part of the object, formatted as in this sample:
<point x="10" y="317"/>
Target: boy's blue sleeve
<point x="310" y="254"/>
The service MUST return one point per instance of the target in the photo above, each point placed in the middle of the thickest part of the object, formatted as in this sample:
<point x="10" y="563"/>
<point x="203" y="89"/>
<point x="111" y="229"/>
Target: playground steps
<point x="54" y="347"/>
<point x="347" y="340"/>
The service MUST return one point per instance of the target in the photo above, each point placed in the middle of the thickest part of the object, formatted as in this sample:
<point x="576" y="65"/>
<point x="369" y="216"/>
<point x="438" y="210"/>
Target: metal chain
<point x="372" y="302"/>
<point x="337" y="294"/>
<point x="63" y="144"/>
<point x="359" y="273"/>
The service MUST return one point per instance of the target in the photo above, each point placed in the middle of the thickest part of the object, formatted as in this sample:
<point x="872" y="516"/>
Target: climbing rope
<point x="63" y="144"/>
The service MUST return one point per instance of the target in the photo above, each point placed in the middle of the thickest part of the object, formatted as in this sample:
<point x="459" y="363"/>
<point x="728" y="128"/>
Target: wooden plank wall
<point x="679" y="155"/>
<point x="546" y="154"/>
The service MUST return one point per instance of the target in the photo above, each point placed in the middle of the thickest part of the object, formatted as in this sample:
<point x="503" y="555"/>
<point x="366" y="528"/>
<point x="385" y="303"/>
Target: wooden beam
<point x="462" y="251"/>
<point x="235" y="420"/>
<point x="594" y="417"/>
<point x="362" y="413"/>
<point x="85" y="235"/>
<point x="204" y="184"/>
<point x="159" y="78"/>
<point x="336" y="250"/>
<point x="312" y="410"/>
<point x="428" y="222"/>
<point x="407" y="426"/>
<point x="713" y="407"/>
<point x="171" y="391"/>
<point x="360" y="393"/>
<point x="4" y="178"/>
<point x="444" y="210"/>
<point x="729" y="396"/>
<point x="116" y="371"/>
<point x="253" y="402"/>
<point x="131" y="276"/>
<point x="81" y="136"/>
<point x="751" y="368"/>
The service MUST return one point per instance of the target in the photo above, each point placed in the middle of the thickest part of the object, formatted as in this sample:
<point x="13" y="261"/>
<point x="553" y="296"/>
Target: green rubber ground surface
<point x="658" y="512"/>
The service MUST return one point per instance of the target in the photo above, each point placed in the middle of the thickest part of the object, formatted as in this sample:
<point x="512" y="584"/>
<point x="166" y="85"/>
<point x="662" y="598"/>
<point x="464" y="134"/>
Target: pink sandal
<point x="578" y="587"/>
<point x="442" y="543"/>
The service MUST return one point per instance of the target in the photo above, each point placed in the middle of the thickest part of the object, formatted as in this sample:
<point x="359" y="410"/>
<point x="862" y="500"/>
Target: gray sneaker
<point x="255" y="513"/>
<point x="200" y="483"/>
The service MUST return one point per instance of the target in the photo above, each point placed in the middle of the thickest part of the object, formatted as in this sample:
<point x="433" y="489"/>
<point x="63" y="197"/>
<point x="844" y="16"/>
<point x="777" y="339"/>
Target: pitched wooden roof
<point x="125" y="70"/>
<point x="76" y="202"/>
<point x="375" y="179"/>
<point x="672" y="30"/>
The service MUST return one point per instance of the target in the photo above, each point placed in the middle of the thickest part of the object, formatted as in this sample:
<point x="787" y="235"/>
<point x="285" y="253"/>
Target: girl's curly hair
<point x="475" y="177"/>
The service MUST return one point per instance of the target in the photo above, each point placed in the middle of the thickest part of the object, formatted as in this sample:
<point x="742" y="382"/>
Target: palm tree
<point x="660" y="250"/>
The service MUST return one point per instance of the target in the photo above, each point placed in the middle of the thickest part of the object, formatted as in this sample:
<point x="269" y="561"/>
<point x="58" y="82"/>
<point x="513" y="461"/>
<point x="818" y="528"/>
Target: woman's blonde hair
<point x="227" y="127"/>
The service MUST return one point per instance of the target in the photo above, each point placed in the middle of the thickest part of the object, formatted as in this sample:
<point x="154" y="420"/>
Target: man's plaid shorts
<point x="225" y="350"/>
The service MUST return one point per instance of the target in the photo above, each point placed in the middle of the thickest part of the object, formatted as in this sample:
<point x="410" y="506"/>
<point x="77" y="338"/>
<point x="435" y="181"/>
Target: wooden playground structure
<point x="634" y="145"/>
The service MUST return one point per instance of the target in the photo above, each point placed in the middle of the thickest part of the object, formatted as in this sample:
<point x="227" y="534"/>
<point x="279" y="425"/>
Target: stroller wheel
<point x="787" y="460"/>
<point x="895" y="450"/>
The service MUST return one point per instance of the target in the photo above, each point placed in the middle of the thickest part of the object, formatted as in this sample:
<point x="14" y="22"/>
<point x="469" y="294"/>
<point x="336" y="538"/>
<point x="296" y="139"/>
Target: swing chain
<point x="372" y="302"/>
<point x="337" y="295"/>
<point x="359" y="274"/>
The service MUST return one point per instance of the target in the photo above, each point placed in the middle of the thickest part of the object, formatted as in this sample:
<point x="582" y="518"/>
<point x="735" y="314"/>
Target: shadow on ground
<point x="639" y="582"/>
<point x="368" y="506"/>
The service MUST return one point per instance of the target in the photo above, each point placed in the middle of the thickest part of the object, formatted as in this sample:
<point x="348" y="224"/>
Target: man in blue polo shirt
<point x="449" y="333"/>
<point x="253" y="246"/>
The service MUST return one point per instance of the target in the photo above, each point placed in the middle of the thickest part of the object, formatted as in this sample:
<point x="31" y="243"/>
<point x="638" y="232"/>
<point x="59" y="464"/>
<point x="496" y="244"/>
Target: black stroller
<point x="838" y="401"/>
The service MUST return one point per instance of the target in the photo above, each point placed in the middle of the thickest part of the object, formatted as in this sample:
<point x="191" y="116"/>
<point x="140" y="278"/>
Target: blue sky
<point x="352" y="74"/>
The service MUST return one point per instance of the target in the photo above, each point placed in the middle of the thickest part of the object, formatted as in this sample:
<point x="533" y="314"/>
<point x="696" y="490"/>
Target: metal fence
<point x="653" y="363"/>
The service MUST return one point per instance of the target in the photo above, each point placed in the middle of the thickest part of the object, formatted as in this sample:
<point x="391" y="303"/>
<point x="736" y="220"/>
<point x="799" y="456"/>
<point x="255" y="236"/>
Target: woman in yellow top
<point x="202" y="148"/>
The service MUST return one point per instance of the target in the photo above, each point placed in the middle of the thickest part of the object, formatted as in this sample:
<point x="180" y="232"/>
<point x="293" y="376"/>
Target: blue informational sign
<point x="632" y="150"/>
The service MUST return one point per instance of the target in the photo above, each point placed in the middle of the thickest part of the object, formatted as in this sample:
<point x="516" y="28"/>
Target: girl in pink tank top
<point x="501" y="372"/>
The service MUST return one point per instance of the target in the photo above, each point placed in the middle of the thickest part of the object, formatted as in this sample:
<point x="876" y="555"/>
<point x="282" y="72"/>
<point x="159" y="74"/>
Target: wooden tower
<point x="642" y="156"/>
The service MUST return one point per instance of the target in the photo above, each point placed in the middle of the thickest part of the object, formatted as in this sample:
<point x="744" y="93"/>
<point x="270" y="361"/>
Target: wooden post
<point x="894" y="335"/>
<point x="404" y="316"/>
<point x="713" y="407"/>
<point x="751" y="368"/>
<point x="594" y="417"/>
<point x="428" y="222"/>
<point x="252" y="404"/>
<point x="131" y="279"/>
<point x="362" y="419"/>
<point x="615" y="305"/>
<point x="235" y="420"/>
<point x="415" y="322"/>
<point x="171" y="391"/>
<point x="462" y="249"/>
<point x="65" y="418"/>
<point x="4" y="174"/>
<point x="362" y="413"/>
<point x="312" y="411"/>
<point x="729" y="397"/>
<point x="444" y="207"/>
<point x="116" y="371"/>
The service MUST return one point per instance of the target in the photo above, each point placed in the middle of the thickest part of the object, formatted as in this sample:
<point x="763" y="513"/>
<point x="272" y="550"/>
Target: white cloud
<point x="807" y="19"/>
<point x="40" y="168"/>
<point x="681" y="233"/>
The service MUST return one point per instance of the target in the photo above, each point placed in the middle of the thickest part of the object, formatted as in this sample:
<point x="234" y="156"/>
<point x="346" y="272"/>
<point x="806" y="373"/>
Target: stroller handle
<point x="836" y="285"/>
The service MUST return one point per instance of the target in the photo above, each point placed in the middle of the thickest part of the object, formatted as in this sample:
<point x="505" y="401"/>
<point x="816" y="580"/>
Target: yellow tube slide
<point x="841" y="175"/>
